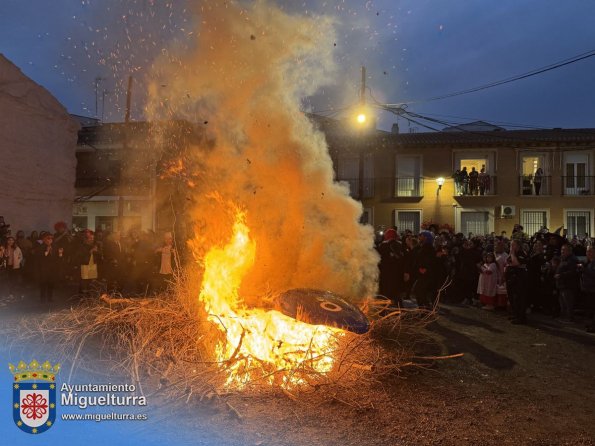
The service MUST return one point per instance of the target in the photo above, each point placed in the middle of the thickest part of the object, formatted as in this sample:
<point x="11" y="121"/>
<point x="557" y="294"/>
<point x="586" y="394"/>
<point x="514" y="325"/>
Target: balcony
<point x="115" y="186"/>
<point x="578" y="185"/>
<point x="359" y="189"/>
<point x="528" y="185"/>
<point x="385" y="188"/>
<point x="480" y="188"/>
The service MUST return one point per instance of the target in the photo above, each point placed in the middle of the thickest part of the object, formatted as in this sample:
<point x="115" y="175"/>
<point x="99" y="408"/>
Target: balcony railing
<point x="529" y="185"/>
<point x="123" y="185"/>
<point x="367" y="187"/>
<point x="408" y="187"/>
<point x="479" y="188"/>
<point x="578" y="185"/>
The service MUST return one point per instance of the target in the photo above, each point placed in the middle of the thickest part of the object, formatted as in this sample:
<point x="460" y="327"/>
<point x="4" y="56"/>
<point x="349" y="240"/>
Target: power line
<point x="531" y="73"/>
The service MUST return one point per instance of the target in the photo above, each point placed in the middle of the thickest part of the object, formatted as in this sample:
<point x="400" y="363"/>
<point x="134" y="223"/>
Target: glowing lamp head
<point x="361" y="118"/>
<point x="440" y="181"/>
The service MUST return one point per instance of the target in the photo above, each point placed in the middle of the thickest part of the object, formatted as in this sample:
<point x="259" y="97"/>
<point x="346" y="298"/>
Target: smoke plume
<point x="243" y="79"/>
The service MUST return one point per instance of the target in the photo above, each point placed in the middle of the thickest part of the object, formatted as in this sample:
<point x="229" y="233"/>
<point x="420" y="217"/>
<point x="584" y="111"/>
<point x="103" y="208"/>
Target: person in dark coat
<point x="425" y="287"/>
<point x="48" y="264"/>
<point x="516" y="281"/>
<point x="534" y="266"/>
<point x="465" y="180"/>
<point x="567" y="282"/>
<point x="114" y="258"/>
<point x="588" y="286"/>
<point x="142" y="261"/>
<point x="467" y="277"/>
<point x="473" y="181"/>
<point x="391" y="267"/>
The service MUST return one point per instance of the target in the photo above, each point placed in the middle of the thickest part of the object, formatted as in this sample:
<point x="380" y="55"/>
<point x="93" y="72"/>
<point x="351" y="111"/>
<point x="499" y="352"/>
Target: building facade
<point x="538" y="178"/>
<point x="122" y="178"/>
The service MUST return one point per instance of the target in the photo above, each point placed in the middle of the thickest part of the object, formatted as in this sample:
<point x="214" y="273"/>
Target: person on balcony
<point x="537" y="180"/>
<point x="456" y="176"/>
<point x="465" y="180"/>
<point x="473" y="182"/>
<point x="484" y="181"/>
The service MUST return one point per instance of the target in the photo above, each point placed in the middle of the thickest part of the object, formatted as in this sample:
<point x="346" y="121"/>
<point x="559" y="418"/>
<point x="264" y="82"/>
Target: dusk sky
<point x="413" y="50"/>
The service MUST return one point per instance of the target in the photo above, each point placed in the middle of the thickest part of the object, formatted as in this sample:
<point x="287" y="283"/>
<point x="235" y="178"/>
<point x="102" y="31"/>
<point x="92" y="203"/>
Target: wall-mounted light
<point x="440" y="183"/>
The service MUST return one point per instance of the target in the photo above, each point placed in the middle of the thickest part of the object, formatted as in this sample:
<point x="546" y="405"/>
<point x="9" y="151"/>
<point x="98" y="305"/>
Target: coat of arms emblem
<point x="34" y="396"/>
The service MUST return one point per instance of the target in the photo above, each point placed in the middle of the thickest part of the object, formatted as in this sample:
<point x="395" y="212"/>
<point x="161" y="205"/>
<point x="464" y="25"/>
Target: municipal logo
<point x="34" y="396"/>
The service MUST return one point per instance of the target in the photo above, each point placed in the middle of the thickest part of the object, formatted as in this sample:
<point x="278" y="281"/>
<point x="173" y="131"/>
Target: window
<point x="478" y="163"/>
<point x="473" y="160"/>
<point x="408" y="220"/>
<point x="534" y="177"/>
<point x="578" y="222"/>
<point x="348" y="170"/>
<point x="408" y="179"/>
<point x="476" y="223"/>
<point x="533" y="220"/>
<point x="79" y="222"/>
<point x="576" y="170"/>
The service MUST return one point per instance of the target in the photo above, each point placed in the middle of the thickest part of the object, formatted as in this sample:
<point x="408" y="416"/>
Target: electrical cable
<point x="525" y="75"/>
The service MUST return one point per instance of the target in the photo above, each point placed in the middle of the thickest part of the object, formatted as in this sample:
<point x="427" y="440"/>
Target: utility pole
<point x="98" y="79"/>
<point x="362" y="99"/>
<point x="125" y="153"/>
<point x="103" y="104"/>
<point x="362" y="93"/>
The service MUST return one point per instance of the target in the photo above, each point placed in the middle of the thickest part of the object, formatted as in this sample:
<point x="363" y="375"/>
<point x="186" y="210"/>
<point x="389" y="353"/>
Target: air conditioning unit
<point x="507" y="210"/>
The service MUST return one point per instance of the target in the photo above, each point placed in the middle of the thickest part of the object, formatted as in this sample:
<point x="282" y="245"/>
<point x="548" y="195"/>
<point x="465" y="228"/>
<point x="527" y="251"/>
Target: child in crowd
<point x="488" y="282"/>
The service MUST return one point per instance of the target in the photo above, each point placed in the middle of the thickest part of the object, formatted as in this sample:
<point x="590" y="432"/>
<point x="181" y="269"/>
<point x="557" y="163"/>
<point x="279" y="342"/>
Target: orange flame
<point x="258" y="345"/>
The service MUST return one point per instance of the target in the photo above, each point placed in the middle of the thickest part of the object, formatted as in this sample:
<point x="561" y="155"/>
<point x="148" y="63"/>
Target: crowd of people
<point x="137" y="263"/>
<point x="546" y="272"/>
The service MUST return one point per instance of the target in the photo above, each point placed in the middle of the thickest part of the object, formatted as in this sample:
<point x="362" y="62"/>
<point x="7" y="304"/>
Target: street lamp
<point x="361" y="118"/>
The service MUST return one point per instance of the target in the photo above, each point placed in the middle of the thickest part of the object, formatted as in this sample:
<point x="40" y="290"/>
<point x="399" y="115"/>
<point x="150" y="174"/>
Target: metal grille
<point x="408" y="187"/>
<point x="475" y="222"/>
<point x="578" y="223"/>
<point x="533" y="221"/>
<point x="408" y="220"/>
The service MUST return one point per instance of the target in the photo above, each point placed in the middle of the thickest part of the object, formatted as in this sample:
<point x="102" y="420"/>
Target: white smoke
<point x="244" y="77"/>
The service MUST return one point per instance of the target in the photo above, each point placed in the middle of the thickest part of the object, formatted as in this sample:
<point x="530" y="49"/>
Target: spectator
<point x="473" y="181"/>
<point x="114" y="263"/>
<point x="537" y="179"/>
<point x="588" y="287"/>
<point x="484" y="181"/>
<point x="166" y="261"/>
<point x="48" y="264"/>
<point x="534" y="266"/>
<point x="488" y="282"/>
<point x="516" y="282"/>
<point x="465" y="180"/>
<point x="13" y="261"/>
<point x="467" y="277"/>
<point x="391" y="267"/>
<point x="88" y="259"/>
<point x="566" y="282"/>
<point x="426" y="285"/>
